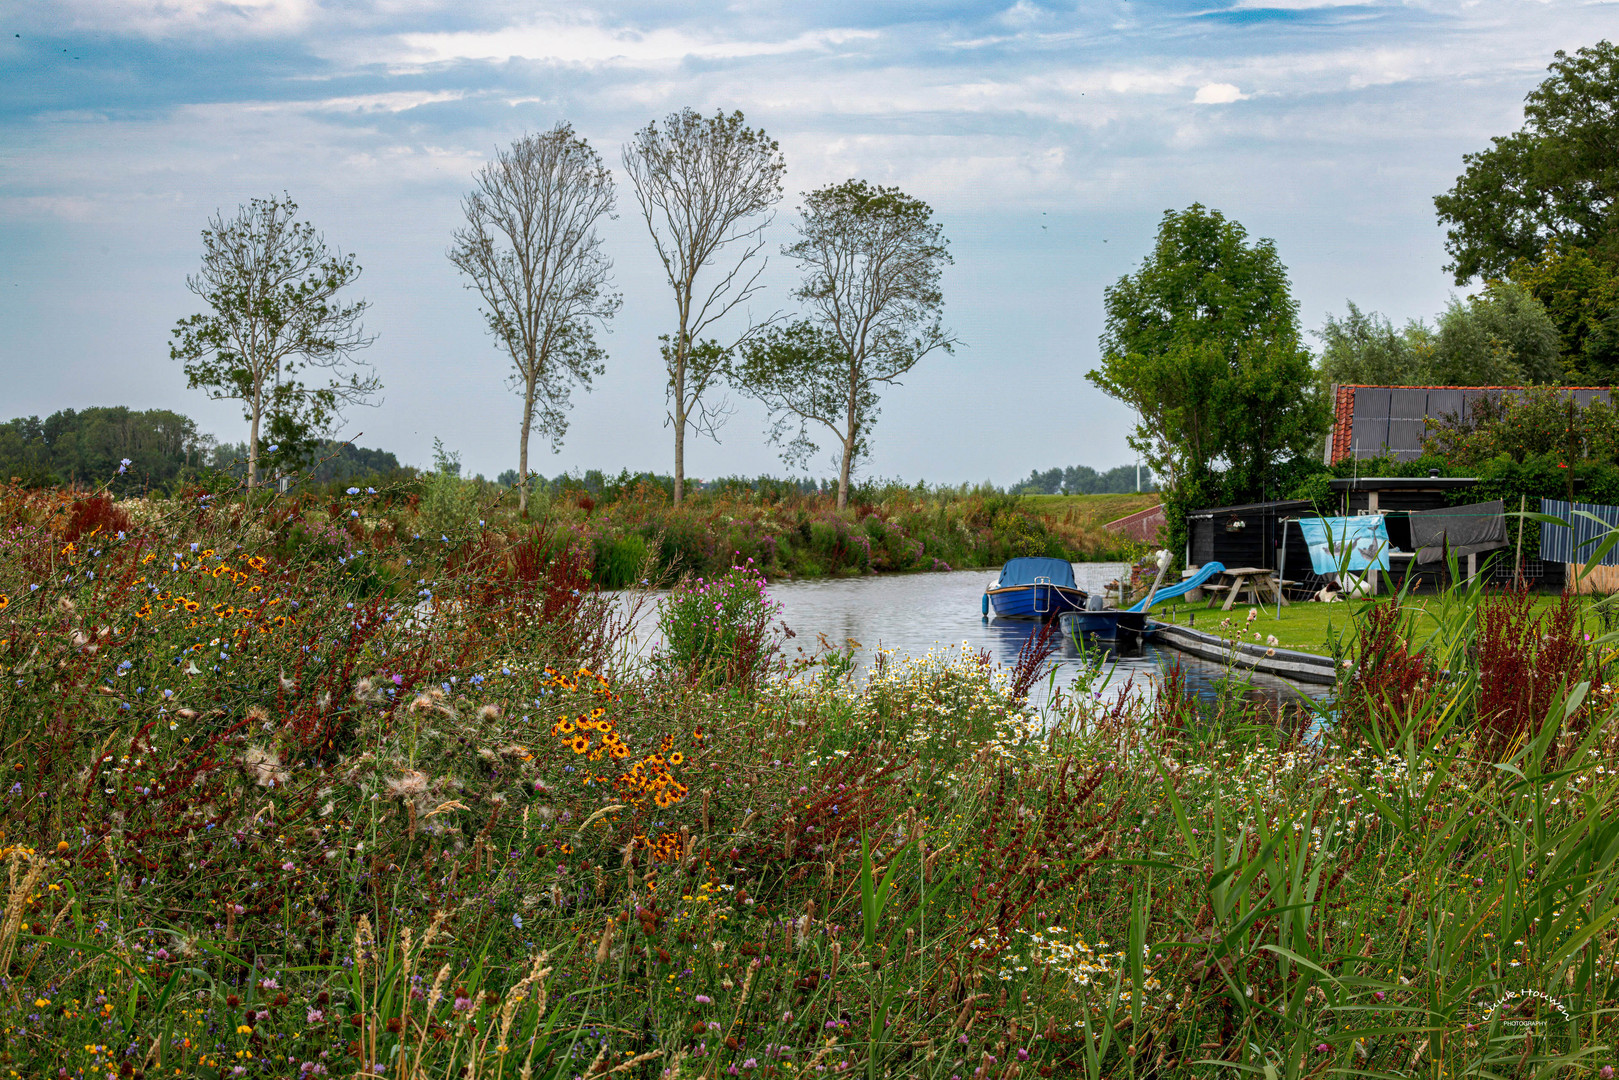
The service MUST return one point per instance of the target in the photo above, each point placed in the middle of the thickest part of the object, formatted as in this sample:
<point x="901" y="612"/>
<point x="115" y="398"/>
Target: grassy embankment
<point x="885" y="528"/>
<point x="1089" y="511"/>
<point x="260" y="823"/>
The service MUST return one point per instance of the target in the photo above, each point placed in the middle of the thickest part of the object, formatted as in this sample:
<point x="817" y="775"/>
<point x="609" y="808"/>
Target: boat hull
<point x="1124" y="628"/>
<point x="1287" y="663"/>
<point x="1109" y="623"/>
<point x="1039" y="601"/>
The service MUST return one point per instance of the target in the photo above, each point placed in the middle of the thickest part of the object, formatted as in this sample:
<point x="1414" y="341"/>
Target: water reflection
<point x="911" y="613"/>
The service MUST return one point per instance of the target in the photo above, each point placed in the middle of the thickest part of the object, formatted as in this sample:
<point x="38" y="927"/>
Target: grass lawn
<point x="1306" y="625"/>
<point x="1090" y="511"/>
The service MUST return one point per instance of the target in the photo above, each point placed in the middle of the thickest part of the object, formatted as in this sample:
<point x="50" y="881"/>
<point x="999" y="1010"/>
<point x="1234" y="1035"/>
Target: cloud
<point x="589" y="43"/>
<point x="212" y="18"/>
<point x="1218" y="93"/>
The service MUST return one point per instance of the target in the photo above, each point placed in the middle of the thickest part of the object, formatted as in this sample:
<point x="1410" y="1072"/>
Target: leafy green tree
<point x="873" y="258"/>
<point x="1502" y="337"/>
<point x="1556" y="178"/>
<point x="1203" y="342"/>
<point x="1363" y="348"/>
<point x="1581" y="296"/>
<point x="271" y="288"/>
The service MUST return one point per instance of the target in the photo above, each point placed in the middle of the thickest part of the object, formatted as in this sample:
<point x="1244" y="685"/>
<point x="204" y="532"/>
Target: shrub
<point x="449" y="503"/>
<point x="719" y="632"/>
<point x="620" y="560"/>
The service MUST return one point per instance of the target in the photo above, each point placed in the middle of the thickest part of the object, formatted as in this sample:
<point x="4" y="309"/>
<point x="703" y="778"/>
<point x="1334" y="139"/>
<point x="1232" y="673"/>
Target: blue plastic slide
<point x="1169" y="592"/>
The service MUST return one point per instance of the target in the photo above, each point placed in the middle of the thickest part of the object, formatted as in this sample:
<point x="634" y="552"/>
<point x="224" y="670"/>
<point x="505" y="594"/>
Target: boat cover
<point x="1024" y="570"/>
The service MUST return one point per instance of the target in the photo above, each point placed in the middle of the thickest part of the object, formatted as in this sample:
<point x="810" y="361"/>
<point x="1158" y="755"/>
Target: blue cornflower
<point x="354" y="491"/>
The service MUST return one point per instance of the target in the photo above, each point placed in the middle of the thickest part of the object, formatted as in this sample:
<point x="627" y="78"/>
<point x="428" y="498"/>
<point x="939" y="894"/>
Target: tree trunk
<point x="843" y="473"/>
<point x="680" y="405"/>
<point x="680" y="436"/>
<point x="850" y="431"/>
<point x="253" y="445"/>
<point x="522" y="449"/>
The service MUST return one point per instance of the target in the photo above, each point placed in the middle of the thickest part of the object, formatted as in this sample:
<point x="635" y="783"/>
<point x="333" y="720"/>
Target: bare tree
<point x="872" y="258"/>
<point x="272" y="287"/>
<point x="532" y="252"/>
<point x="704" y="184"/>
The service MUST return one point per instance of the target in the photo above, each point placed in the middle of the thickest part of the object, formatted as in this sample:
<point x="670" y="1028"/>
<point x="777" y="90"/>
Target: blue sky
<point x="1049" y="138"/>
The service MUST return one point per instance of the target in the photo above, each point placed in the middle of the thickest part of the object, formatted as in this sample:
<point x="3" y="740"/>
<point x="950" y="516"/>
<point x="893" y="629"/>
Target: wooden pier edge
<point x="1288" y="663"/>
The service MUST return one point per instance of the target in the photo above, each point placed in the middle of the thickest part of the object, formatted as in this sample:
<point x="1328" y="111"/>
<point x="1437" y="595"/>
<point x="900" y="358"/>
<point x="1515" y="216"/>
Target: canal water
<point x="912" y="613"/>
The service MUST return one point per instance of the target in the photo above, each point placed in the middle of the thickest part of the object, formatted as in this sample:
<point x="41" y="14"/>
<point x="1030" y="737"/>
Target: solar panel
<point x="1395" y="420"/>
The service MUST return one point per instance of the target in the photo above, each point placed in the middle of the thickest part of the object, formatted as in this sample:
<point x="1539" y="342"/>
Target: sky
<point x="1048" y="138"/>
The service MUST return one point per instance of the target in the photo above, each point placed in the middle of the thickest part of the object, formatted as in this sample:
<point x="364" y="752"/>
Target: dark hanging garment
<point x="1469" y="530"/>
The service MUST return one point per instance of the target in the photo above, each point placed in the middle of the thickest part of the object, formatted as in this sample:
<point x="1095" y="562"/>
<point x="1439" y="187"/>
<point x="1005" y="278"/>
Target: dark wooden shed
<point x="1250" y="535"/>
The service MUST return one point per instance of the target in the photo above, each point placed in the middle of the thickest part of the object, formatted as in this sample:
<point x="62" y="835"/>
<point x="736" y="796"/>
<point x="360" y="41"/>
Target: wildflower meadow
<point x="302" y="787"/>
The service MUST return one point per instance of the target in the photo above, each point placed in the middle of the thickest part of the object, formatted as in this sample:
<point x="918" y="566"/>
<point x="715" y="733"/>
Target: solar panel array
<point x="1394" y="420"/>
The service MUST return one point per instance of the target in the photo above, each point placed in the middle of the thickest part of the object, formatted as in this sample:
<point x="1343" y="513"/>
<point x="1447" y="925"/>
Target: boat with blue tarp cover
<point x="1033" y="587"/>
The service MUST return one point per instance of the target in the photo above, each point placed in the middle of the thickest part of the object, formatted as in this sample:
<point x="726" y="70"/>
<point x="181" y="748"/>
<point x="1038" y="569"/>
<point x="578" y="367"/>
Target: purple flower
<point x="123" y="463"/>
<point x="314" y="1016"/>
<point x="701" y="999"/>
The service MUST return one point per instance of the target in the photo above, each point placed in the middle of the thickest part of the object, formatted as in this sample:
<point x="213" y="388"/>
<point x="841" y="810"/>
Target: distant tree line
<point x="134" y="450"/>
<point x="127" y="448"/>
<point x="1084" y="480"/>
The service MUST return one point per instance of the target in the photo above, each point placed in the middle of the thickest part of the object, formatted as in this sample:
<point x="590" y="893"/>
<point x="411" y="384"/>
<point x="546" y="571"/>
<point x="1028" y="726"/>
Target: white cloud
<point x="1218" y="93"/>
<point x="590" y="43"/>
<point x="1297" y="5"/>
<point x="212" y="18"/>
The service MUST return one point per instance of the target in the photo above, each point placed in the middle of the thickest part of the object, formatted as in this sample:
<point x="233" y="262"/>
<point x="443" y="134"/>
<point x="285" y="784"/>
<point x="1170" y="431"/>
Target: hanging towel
<point x="1469" y="529"/>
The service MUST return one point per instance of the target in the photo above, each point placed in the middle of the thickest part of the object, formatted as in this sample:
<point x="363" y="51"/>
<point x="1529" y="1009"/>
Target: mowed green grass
<point x="1309" y="626"/>
<point x="1090" y="511"/>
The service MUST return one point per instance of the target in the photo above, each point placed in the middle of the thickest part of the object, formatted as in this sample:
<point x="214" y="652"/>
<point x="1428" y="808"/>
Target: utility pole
<point x="1138" y="476"/>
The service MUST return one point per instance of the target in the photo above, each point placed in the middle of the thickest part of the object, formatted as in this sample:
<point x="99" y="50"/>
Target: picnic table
<point x="1258" y="582"/>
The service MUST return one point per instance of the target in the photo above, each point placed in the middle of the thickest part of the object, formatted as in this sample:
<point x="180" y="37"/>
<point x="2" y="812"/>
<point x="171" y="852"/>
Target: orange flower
<point x="580" y="744"/>
<point x="677" y="758"/>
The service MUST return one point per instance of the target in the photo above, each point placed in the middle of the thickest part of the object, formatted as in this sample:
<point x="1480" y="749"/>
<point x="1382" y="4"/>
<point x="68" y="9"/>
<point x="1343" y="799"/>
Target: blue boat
<point x="1109" y="624"/>
<point x="1131" y="624"/>
<point x="1034" y="588"/>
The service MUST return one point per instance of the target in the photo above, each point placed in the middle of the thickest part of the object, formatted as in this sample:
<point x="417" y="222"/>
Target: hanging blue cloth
<point x="1346" y="543"/>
